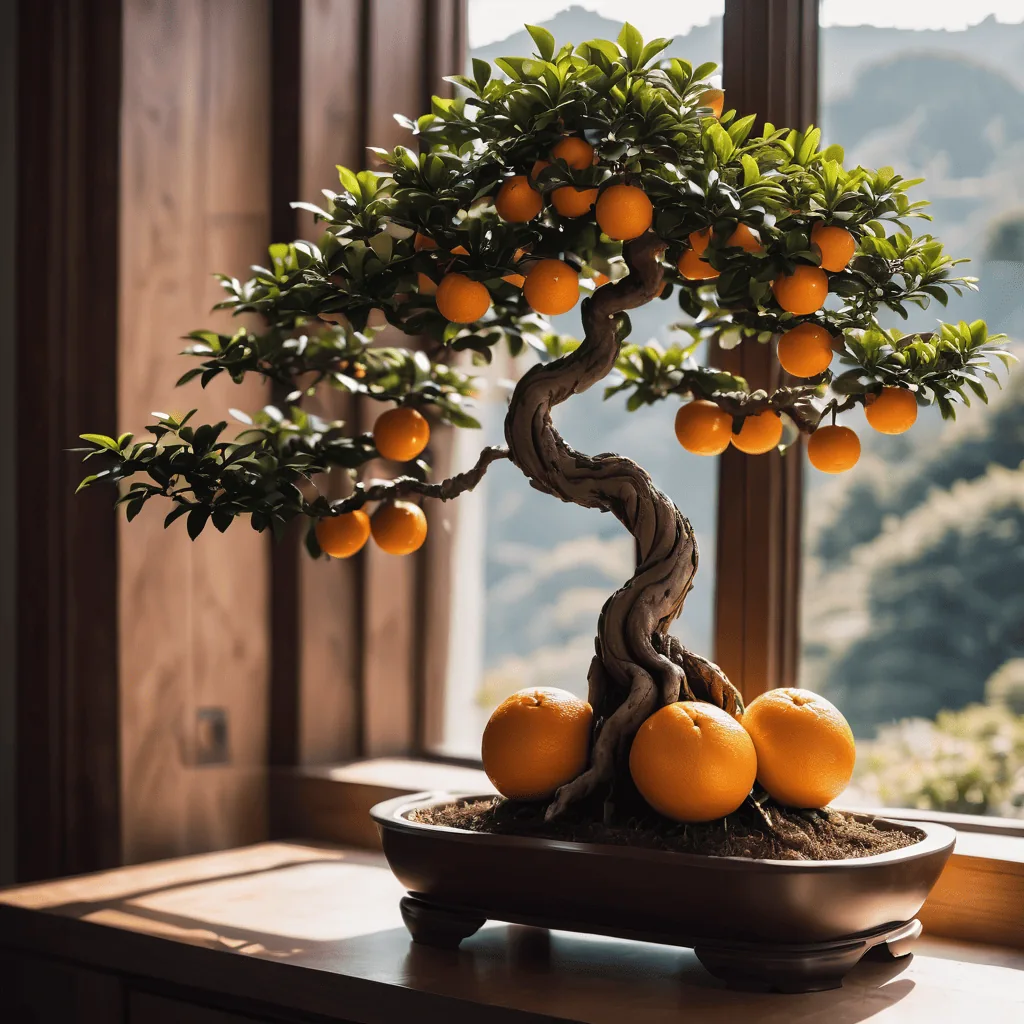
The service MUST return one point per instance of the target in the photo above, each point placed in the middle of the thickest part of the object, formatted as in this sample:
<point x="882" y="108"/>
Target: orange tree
<point x="598" y="172"/>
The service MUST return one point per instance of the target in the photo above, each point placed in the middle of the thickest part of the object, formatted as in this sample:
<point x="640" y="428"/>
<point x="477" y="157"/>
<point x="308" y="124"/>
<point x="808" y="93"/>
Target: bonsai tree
<point x="595" y="174"/>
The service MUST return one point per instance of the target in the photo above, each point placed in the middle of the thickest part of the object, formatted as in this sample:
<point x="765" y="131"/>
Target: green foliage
<point x="389" y="237"/>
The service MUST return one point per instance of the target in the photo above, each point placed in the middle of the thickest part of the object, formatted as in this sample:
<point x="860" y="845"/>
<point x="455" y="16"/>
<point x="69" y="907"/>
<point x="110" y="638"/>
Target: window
<point x="912" y="608"/>
<point x="532" y="573"/>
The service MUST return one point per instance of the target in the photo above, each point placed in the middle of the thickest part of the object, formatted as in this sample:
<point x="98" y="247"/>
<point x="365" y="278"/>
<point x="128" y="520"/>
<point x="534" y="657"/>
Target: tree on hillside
<point x="597" y="169"/>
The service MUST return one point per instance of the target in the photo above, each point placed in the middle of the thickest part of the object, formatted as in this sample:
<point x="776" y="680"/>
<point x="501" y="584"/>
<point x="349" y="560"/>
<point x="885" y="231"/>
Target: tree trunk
<point x="637" y="666"/>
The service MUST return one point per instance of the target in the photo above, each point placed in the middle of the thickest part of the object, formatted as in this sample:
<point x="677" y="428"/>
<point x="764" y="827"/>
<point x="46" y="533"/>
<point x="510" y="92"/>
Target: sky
<point x="491" y="20"/>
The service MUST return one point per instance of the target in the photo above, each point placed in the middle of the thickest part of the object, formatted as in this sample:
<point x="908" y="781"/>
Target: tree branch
<point x="402" y="485"/>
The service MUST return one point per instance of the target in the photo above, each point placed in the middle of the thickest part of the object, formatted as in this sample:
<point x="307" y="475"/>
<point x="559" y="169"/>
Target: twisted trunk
<point x="637" y="666"/>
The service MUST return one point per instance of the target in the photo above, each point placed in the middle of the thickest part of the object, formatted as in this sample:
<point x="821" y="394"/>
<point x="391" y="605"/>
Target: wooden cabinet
<point x="36" y="991"/>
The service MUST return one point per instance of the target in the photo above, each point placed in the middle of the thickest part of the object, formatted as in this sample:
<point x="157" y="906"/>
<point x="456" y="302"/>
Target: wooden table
<point x="293" y="932"/>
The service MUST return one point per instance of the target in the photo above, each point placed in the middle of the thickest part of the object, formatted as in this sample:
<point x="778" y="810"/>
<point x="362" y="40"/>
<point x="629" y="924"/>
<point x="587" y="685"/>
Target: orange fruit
<point x="535" y="741"/>
<point x="833" y="449"/>
<point x="805" y="350"/>
<point x="713" y="98"/>
<point x="421" y="242"/>
<point x="760" y="433"/>
<point x="892" y="412"/>
<point x="835" y="244"/>
<point x="399" y="527"/>
<point x="805" y="749"/>
<point x="426" y="285"/>
<point x="624" y="212"/>
<point x="516" y="279"/>
<point x="744" y="238"/>
<point x="538" y="166"/>
<point x="552" y="287"/>
<point x="570" y="201"/>
<point x="460" y="250"/>
<point x="401" y="434"/>
<point x="600" y="280"/>
<point x="517" y="201"/>
<point x="342" y="536"/>
<point x="692" y="761"/>
<point x="703" y="428"/>
<point x="803" y="291"/>
<point x="575" y="152"/>
<point x="699" y="240"/>
<point x="461" y="300"/>
<point x="694" y="267"/>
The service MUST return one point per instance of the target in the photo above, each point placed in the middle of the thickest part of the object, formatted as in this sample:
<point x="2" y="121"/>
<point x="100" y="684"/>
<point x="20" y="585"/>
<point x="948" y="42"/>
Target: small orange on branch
<point x="894" y="411"/>
<point x="805" y="350"/>
<point x="835" y="244"/>
<point x="833" y="449"/>
<point x="803" y="291"/>
<point x="399" y="527"/>
<point x="624" y="212"/>
<point x="570" y="201"/>
<point x="576" y="152"/>
<point x="342" y="536"/>
<point x="401" y="434"/>
<point x="703" y="428"/>
<point x="760" y="433"/>
<point x="518" y="201"/>
<point x="461" y="300"/>
<point x="552" y="287"/>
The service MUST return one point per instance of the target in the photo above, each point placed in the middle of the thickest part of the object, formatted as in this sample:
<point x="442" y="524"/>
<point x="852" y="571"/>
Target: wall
<point x="194" y="618"/>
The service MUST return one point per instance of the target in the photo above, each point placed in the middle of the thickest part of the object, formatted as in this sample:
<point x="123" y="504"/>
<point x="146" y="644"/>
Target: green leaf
<point x="544" y="41"/>
<point x="751" y="172"/>
<point x="349" y="182"/>
<point x="102" y="440"/>
<point x="632" y="43"/>
<point x="196" y="521"/>
<point x="176" y="513"/>
<point x="481" y="72"/>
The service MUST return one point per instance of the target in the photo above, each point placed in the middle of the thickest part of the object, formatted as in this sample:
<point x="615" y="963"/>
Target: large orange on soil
<point x="835" y="244"/>
<point x="760" y="433"/>
<point x="573" y="202"/>
<point x="802" y="292"/>
<point x="805" y="749"/>
<point x="692" y="761"/>
<point x="535" y="741"/>
<point x="624" y="212"/>
<point x="577" y="153"/>
<point x="892" y="412"/>
<point x="833" y="449"/>
<point x="806" y="350"/>
<point x="401" y="434"/>
<point x="399" y="527"/>
<point x="552" y="287"/>
<point x="517" y="201"/>
<point x="342" y="536"/>
<point x="461" y="300"/>
<point x="703" y="428"/>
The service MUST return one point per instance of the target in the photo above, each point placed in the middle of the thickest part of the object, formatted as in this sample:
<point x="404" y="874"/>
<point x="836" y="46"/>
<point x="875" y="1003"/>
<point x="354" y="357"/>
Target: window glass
<point x="532" y="573"/>
<point x="913" y="567"/>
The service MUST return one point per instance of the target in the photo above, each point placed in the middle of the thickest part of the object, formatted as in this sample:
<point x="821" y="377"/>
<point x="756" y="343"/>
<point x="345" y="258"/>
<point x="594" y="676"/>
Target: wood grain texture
<point x="65" y="338"/>
<point x="317" y="931"/>
<point x="194" y="625"/>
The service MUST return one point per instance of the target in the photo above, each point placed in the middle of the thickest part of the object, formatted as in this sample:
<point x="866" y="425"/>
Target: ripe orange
<point x="460" y="250"/>
<point x="342" y="536"/>
<point x="803" y="291"/>
<point x="805" y="749"/>
<point x="570" y="201"/>
<point x="744" y="238"/>
<point x="703" y="428"/>
<point x="426" y="285"/>
<point x="760" y="433"/>
<point x="535" y="741"/>
<point x="835" y="244"/>
<point x="713" y="98"/>
<point x="600" y="280"/>
<point x="806" y="350"/>
<point x="538" y="166"/>
<point x="517" y="201"/>
<point x="692" y="761"/>
<point x="399" y="527"/>
<point x="401" y="434"/>
<point x="624" y="212"/>
<point x="694" y="267"/>
<point x="461" y="300"/>
<point x="833" y="449"/>
<point x="421" y="242"/>
<point x="892" y="412"/>
<point x="552" y="287"/>
<point x="575" y="152"/>
<point x="699" y="240"/>
<point x="517" y="279"/>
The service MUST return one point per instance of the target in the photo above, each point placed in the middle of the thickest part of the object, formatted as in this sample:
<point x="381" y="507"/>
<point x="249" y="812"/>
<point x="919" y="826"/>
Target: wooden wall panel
<point x="194" y="622"/>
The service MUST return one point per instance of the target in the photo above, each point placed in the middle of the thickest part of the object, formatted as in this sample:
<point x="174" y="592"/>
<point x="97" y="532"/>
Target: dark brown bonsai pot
<point x="787" y="925"/>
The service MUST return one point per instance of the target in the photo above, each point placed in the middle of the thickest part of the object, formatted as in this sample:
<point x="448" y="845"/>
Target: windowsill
<point x="979" y="897"/>
<point x="285" y="929"/>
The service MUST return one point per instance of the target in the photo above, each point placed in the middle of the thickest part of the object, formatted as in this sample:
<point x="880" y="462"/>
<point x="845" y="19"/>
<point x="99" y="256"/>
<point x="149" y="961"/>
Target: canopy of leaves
<point x="390" y="236"/>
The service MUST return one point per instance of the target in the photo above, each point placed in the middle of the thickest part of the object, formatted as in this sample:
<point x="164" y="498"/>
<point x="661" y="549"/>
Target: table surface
<point x="318" y="929"/>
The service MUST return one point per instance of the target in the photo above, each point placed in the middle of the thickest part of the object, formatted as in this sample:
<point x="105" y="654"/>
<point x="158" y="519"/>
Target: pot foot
<point x="443" y="927"/>
<point x="810" y="968"/>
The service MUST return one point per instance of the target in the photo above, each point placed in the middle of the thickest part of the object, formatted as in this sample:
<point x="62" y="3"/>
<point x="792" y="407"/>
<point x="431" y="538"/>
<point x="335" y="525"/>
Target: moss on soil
<point x="780" y="833"/>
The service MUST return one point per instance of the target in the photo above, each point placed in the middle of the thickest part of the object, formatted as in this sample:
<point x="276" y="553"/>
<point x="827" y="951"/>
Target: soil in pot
<point x="765" y="832"/>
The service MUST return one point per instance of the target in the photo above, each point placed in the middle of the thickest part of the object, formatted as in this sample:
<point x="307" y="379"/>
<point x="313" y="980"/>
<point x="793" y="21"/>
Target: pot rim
<point x="392" y="814"/>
